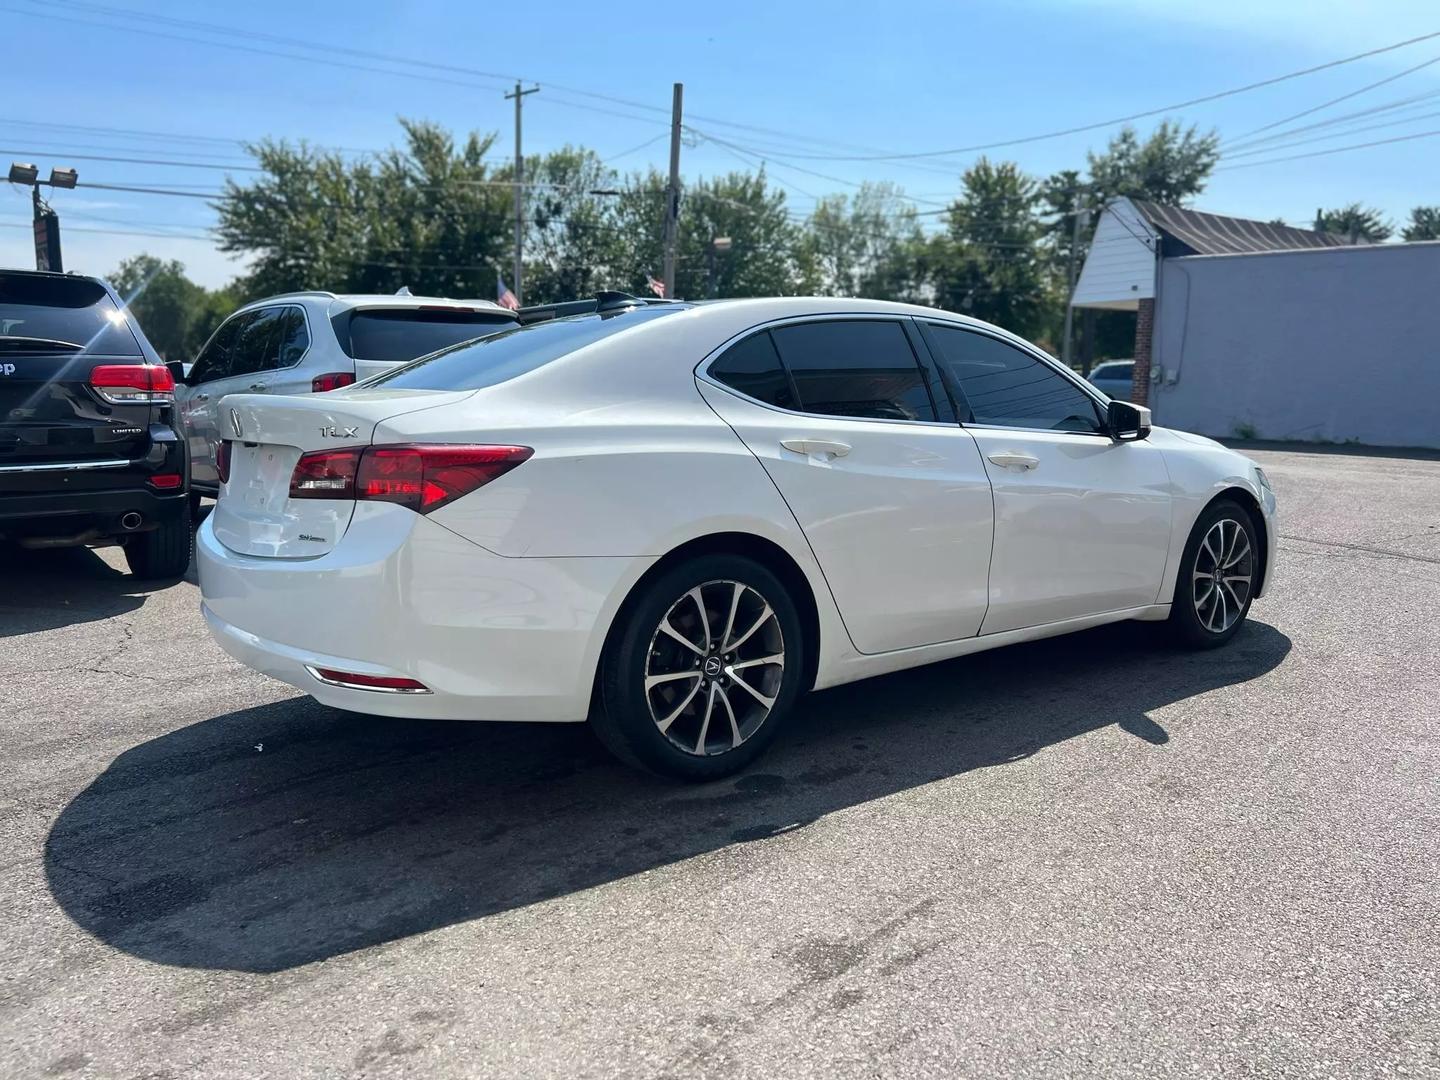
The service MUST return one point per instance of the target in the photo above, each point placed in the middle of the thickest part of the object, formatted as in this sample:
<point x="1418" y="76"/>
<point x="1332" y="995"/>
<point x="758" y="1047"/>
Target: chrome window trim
<point x="69" y="466"/>
<point x="702" y="369"/>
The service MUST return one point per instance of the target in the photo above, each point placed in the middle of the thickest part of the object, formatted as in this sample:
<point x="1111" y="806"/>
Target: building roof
<point x="1192" y="232"/>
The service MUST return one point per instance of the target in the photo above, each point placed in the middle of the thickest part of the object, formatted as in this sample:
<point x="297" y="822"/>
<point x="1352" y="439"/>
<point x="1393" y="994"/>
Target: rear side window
<point x="257" y="347"/>
<point x="513" y="352"/>
<point x="1009" y="387"/>
<point x="405" y="333"/>
<point x="753" y="368"/>
<point x="292" y="338"/>
<point x="858" y="367"/>
<point x="61" y="316"/>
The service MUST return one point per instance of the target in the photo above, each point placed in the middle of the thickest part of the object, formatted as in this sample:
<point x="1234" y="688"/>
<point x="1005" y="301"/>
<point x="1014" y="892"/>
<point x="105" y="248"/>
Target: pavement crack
<point x="1365" y="548"/>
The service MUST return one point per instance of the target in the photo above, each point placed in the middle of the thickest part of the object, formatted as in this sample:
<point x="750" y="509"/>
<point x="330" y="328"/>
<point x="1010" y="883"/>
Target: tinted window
<point x="1113" y="371"/>
<point x="513" y="352"/>
<point x="1009" y="387"/>
<point x="408" y="333"/>
<point x="61" y="315"/>
<point x="214" y="361"/>
<point x="753" y="367"/>
<point x="861" y="367"/>
<point x="292" y="338"/>
<point x="257" y="346"/>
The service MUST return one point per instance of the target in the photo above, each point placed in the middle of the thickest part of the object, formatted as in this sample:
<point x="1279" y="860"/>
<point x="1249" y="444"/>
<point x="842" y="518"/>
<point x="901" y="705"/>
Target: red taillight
<point x="369" y="682"/>
<point x="331" y="380"/>
<point x="425" y="478"/>
<point x="421" y="477"/>
<point x="132" y="384"/>
<point x="222" y="460"/>
<point x="165" y="481"/>
<point x="325" y="474"/>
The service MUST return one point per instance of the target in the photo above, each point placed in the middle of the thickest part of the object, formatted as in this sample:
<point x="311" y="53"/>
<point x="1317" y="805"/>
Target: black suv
<point x="89" y="453"/>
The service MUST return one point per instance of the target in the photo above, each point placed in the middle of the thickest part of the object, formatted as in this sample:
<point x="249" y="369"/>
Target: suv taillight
<point x="132" y="384"/>
<point x="421" y="477"/>
<point x="331" y="380"/>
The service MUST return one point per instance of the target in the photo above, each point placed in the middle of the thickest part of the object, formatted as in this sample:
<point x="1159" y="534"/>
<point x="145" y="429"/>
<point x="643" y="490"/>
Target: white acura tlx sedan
<point x="672" y="519"/>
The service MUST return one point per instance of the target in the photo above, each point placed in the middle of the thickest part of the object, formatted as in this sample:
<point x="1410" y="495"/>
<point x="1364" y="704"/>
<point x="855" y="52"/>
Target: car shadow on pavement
<point x="275" y="836"/>
<point x="48" y="589"/>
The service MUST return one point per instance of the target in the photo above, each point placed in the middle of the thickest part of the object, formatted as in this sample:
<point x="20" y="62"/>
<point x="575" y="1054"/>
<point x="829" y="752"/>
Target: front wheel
<point x="1217" y="577"/>
<point x="703" y="670"/>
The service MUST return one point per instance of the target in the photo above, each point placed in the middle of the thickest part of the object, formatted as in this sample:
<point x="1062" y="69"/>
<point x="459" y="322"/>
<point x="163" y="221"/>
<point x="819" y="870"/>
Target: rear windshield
<point x="62" y="316"/>
<point x="514" y="352"/>
<point x="405" y="333"/>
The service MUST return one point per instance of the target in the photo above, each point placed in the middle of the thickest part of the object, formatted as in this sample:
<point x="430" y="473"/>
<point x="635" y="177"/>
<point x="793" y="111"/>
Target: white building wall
<point x="1331" y="345"/>
<point x="1120" y="268"/>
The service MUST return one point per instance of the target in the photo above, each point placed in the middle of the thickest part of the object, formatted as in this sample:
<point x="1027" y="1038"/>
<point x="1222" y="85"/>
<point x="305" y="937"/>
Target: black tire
<point x="1210" y="604"/>
<point x="628" y="716"/>
<point x="164" y="551"/>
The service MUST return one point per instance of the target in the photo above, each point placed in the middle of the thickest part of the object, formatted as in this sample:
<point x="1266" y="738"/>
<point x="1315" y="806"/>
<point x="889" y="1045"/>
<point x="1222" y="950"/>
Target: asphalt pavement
<point x="1091" y="856"/>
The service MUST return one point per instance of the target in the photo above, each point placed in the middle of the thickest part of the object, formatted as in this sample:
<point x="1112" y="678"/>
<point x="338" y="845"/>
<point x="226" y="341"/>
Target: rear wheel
<point x="164" y="551"/>
<point x="1217" y="577"/>
<point x="703" y="671"/>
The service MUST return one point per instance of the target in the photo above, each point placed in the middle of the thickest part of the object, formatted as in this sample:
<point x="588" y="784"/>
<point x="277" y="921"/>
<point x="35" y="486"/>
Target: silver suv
<point x="310" y="342"/>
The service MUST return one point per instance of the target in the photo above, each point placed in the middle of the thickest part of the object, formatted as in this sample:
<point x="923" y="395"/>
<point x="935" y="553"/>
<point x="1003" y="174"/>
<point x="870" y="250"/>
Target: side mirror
<point x="177" y="369"/>
<point x="1128" y="422"/>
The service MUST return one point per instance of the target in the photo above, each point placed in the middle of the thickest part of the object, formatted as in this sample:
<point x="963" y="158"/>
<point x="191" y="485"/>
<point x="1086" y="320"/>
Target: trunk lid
<point x="267" y="436"/>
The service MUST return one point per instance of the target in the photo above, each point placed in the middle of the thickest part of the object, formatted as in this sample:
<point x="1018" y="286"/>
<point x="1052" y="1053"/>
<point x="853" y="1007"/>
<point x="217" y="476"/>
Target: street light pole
<point x="46" y="222"/>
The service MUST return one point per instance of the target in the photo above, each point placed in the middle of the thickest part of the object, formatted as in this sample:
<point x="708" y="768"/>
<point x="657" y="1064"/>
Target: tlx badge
<point x="338" y="432"/>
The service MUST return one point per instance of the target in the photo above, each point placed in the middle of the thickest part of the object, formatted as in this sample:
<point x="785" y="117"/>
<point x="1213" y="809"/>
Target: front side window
<point x="860" y="368"/>
<point x="214" y="361"/>
<point x="1009" y="387"/>
<point x="753" y="368"/>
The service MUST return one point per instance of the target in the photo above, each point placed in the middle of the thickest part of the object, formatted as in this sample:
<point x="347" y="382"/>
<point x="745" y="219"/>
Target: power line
<point x="1205" y="99"/>
<point x="139" y="161"/>
<point x="1272" y="148"/>
<point x="1334" y="150"/>
<point x="1343" y="97"/>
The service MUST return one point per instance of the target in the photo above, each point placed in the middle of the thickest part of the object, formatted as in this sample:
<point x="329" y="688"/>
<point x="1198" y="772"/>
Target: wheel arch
<point x="766" y="552"/>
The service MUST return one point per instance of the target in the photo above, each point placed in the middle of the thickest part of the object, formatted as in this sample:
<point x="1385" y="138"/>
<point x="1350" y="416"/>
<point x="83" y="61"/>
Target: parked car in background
<point x="1113" y="378"/>
<point x="313" y="342"/>
<point x="89" y="451"/>
<point x="674" y="518"/>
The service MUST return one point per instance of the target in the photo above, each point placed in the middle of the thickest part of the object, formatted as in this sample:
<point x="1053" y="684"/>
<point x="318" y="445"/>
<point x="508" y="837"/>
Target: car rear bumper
<point x="491" y="638"/>
<point x="86" y="515"/>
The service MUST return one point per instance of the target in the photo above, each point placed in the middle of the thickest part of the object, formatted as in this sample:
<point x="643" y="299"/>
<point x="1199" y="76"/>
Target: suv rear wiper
<point x="17" y="343"/>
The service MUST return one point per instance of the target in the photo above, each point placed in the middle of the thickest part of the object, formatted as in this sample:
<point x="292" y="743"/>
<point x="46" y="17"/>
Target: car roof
<point x="58" y="275"/>
<point x="338" y="302"/>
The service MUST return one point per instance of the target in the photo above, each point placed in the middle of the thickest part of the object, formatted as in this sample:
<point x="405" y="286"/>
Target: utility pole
<point x="1066" y="347"/>
<point x="519" y="96"/>
<point x="672" y="195"/>
<point x="46" y="222"/>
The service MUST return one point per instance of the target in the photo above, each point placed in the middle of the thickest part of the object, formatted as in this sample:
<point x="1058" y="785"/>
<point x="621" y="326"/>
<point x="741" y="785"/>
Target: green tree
<point x="176" y="314"/>
<point x="1354" y="222"/>
<point x="868" y="244"/>
<point x="433" y="216"/>
<point x="1424" y="224"/>
<point x="572" y="243"/>
<point x="988" y="261"/>
<point x="1170" y="167"/>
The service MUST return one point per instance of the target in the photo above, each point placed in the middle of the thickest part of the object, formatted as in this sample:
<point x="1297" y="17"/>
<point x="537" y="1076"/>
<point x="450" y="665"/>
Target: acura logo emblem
<point x="236" y="428"/>
<point x="712" y="665"/>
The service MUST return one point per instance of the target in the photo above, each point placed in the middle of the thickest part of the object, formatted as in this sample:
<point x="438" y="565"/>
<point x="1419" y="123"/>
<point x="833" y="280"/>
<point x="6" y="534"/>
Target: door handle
<point x="202" y="397"/>
<point x="821" y="448"/>
<point x="259" y="386"/>
<point x="1011" y="459"/>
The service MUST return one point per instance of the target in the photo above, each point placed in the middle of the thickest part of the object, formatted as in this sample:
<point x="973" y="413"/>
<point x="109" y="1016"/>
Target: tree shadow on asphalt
<point x="49" y="589"/>
<point x="276" y="836"/>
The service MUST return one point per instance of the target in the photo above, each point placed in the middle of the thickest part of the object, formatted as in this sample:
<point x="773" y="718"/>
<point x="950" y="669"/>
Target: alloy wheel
<point x="714" y="667"/>
<point x="1223" y="571"/>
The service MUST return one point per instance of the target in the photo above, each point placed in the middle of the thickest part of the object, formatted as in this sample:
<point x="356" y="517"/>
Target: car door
<point x="285" y="371"/>
<point x="890" y="491"/>
<point x="1082" y="521"/>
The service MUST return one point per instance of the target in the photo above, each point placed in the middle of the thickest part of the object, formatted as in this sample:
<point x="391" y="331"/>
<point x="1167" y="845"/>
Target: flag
<point x="657" y="287"/>
<point x="503" y="296"/>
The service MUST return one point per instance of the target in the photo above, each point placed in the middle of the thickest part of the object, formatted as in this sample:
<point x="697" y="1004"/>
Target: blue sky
<point x="828" y="78"/>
